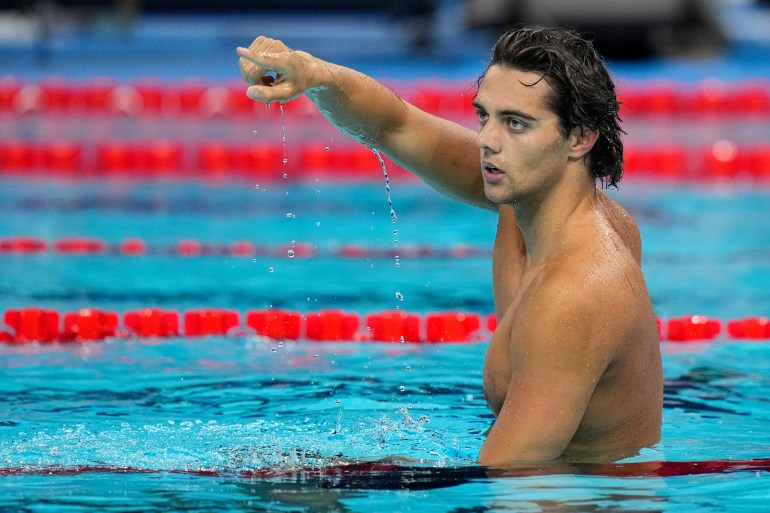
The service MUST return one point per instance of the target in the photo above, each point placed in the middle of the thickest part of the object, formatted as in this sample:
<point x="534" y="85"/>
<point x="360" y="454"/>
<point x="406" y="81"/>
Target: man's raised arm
<point x="442" y="153"/>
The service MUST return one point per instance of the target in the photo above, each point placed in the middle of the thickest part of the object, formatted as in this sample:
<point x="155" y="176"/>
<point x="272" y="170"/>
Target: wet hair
<point x="583" y="94"/>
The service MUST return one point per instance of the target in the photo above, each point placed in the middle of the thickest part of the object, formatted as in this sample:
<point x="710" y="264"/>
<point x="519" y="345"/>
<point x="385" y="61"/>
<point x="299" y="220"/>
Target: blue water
<point x="183" y="424"/>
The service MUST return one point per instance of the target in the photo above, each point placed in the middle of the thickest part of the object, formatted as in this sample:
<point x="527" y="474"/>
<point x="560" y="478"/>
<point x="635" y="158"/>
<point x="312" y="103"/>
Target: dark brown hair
<point x="583" y="94"/>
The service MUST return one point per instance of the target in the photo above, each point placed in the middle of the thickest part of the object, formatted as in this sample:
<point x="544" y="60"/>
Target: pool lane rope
<point x="38" y="325"/>
<point x="25" y="245"/>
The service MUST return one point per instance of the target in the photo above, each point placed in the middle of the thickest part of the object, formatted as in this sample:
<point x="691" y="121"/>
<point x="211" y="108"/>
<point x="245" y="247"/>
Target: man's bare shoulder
<point x="622" y="223"/>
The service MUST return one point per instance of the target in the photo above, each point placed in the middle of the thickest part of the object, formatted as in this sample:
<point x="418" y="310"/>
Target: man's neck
<point x="547" y="220"/>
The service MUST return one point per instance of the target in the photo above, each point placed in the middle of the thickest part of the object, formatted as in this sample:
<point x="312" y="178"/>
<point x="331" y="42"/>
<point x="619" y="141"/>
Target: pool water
<point x="236" y="423"/>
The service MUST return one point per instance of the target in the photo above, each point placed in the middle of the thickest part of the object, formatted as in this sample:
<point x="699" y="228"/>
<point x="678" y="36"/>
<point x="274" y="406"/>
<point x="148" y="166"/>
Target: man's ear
<point x="581" y="141"/>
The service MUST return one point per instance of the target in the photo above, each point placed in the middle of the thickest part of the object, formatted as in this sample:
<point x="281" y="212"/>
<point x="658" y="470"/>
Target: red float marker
<point x="725" y="159"/>
<point x="212" y="321"/>
<point x="261" y="160"/>
<point x="215" y="158"/>
<point x="22" y="245"/>
<point x="692" y="328"/>
<point x="759" y="162"/>
<point x="63" y="156"/>
<point x="152" y="322"/>
<point x="132" y="246"/>
<point x="33" y="325"/>
<point x="749" y="328"/>
<point x="117" y="157"/>
<point x="242" y="248"/>
<point x="452" y="327"/>
<point x="80" y="245"/>
<point x="9" y="88"/>
<point x="163" y="157"/>
<point x="491" y="323"/>
<point x="89" y="324"/>
<point x="395" y="326"/>
<point x="188" y="247"/>
<point x="331" y="325"/>
<point x="19" y="156"/>
<point x="275" y="324"/>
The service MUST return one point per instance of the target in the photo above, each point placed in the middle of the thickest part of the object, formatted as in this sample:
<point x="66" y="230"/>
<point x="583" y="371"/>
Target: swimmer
<point x="573" y="372"/>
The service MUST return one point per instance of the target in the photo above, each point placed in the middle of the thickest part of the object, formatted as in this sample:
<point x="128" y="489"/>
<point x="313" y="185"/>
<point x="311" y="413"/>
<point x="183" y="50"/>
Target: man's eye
<point x="516" y="124"/>
<point x="482" y="115"/>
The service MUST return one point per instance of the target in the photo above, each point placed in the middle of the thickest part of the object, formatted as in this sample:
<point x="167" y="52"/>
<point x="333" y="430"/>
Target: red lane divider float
<point x="207" y="159"/>
<point x="37" y="325"/>
<point x="196" y="97"/>
<point x="721" y="159"/>
<point x="24" y="245"/>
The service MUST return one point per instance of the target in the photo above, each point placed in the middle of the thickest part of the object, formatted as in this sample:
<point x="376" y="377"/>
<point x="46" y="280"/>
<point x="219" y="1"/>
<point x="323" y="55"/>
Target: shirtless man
<point x="573" y="371"/>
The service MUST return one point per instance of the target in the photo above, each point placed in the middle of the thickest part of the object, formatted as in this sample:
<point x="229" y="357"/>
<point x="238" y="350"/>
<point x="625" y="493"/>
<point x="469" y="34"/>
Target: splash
<point x="324" y="441"/>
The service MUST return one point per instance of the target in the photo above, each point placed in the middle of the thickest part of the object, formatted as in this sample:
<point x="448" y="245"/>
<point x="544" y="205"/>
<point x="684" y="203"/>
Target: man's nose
<point x="487" y="139"/>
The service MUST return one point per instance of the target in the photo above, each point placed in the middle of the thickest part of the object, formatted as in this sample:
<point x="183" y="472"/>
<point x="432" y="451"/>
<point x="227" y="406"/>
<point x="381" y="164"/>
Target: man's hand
<point x="274" y="71"/>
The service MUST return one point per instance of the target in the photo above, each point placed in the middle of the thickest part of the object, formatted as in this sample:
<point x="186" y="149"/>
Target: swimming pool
<point x="238" y="422"/>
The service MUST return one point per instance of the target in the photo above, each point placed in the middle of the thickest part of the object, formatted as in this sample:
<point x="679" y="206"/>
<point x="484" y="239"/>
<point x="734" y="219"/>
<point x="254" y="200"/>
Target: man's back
<point x="601" y="257"/>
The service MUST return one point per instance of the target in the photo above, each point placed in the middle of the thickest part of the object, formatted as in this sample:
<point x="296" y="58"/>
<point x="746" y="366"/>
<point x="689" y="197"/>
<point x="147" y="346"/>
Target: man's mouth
<point x="490" y="171"/>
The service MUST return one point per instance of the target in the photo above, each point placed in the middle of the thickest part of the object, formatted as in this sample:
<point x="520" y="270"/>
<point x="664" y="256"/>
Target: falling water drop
<point x="376" y="152"/>
<point x="290" y="253"/>
<point x="283" y="137"/>
<point x="399" y="296"/>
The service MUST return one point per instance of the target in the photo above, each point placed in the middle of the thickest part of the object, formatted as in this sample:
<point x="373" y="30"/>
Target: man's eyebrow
<point x="506" y="112"/>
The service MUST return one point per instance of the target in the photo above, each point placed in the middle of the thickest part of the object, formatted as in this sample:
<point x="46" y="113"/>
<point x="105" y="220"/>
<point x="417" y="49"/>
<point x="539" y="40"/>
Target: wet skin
<point x="573" y="370"/>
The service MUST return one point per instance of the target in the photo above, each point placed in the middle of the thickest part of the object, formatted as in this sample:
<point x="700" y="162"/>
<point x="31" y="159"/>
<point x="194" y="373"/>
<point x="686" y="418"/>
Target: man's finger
<point x="266" y="94"/>
<point x="269" y="61"/>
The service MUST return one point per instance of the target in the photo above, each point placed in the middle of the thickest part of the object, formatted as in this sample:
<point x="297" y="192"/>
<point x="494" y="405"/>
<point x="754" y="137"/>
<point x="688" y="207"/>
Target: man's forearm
<point x="357" y="105"/>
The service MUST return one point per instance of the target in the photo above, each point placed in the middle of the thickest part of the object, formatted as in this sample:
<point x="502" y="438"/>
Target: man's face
<point x="522" y="150"/>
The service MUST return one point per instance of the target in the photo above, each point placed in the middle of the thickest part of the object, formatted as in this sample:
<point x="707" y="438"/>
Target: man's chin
<point x="494" y="194"/>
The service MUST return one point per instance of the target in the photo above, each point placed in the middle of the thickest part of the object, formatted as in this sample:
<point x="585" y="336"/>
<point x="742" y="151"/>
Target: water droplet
<point x="316" y="356"/>
<point x="270" y="269"/>
<point x="395" y="232"/>
<point x="290" y="253"/>
<point x="274" y="350"/>
<point x="326" y="148"/>
<point x="286" y="175"/>
<point x="398" y="264"/>
<point x="291" y="215"/>
<point x="318" y="223"/>
<point x="402" y="388"/>
<point x="285" y="160"/>
<point x="399" y="296"/>
<point x="376" y="152"/>
<point x="403" y="339"/>
<point x="408" y="367"/>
